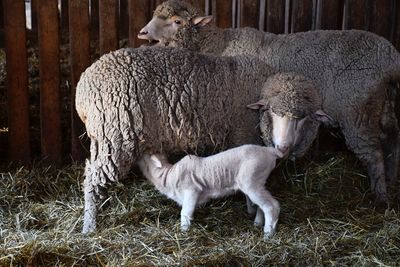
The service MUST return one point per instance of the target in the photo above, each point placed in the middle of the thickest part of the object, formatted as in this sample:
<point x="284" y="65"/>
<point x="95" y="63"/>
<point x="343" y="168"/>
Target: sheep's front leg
<point x="188" y="206"/>
<point x="90" y="211"/>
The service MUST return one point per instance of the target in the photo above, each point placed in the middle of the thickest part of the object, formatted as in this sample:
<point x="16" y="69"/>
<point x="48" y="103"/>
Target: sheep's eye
<point x="177" y="22"/>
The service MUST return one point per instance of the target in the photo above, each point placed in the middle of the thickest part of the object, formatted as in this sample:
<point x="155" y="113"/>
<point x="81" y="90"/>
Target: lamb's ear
<point x="277" y="152"/>
<point x="156" y="161"/>
<point x="202" y="21"/>
<point x="261" y="105"/>
<point x="323" y="117"/>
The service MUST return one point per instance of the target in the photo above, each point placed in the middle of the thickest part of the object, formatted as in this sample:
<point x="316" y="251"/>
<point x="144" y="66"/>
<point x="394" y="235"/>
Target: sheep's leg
<point x="390" y="140"/>
<point x="188" y="207"/>
<point x="107" y="164"/>
<point x="365" y="143"/>
<point x="268" y="205"/>
<point x="251" y="208"/>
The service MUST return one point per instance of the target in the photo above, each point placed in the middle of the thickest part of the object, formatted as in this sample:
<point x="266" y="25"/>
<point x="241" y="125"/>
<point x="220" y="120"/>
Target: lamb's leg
<point x="188" y="207"/>
<point x="390" y="140"/>
<point x="270" y="207"/>
<point x="251" y="208"/>
<point x="365" y="143"/>
<point x="107" y="164"/>
<point x="259" y="220"/>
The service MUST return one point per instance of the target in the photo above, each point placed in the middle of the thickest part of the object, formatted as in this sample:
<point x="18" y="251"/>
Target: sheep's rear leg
<point x="269" y="206"/>
<point x="251" y="208"/>
<point x="188" y="206"/>
<point x="390" y="140"/>
<point x="365" y="143"/>
<point x="107" y="165"/>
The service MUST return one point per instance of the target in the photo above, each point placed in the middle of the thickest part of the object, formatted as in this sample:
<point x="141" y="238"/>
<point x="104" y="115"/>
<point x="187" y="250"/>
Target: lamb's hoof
<point x="258" y="223"/>
<point x="184" y="228"/>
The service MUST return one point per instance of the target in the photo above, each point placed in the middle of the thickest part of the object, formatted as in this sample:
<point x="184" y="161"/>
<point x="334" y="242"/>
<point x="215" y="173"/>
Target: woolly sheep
<point x="164" y="100"/>
<point x="194" y="180"/>
<point x="355" y="71"/>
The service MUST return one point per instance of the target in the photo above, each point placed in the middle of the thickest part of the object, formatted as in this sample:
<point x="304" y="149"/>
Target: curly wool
<point x="291" y="95"/>
<point x="172" y="8"/>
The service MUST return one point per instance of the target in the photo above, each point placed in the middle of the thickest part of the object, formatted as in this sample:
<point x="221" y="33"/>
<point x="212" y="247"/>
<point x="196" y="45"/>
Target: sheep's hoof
<point x="184" y="228"/>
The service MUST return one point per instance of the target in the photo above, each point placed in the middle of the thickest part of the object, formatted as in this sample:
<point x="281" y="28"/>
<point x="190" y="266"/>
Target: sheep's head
<point x="291" y="113"/>
<point x="168" y="18"/>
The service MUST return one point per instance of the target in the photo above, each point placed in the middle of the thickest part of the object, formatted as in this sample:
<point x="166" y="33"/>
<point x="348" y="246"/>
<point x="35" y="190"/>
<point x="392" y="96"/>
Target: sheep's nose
<point x="141" y="33"/>
<point x="283" y="148"/>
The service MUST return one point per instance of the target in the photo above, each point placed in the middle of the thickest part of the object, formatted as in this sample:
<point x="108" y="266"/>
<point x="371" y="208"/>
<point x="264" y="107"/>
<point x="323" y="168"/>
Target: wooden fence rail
<point x="95" y="27"/>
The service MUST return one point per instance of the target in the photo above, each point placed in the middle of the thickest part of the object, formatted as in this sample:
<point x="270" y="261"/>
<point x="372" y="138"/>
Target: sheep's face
<point x="292" y="135"/>
<point x="161" y="29"/>
<point x="152" y="165"/>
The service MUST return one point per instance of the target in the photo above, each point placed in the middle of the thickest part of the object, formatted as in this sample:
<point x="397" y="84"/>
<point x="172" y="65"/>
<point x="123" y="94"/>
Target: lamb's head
<point x="290" y="114"/>
<point x="152" y="165"/>
<point x="168" y="18"/>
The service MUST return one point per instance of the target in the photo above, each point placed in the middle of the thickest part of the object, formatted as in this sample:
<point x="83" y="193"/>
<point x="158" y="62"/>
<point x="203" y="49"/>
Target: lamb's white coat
<point x="194" y="180"/>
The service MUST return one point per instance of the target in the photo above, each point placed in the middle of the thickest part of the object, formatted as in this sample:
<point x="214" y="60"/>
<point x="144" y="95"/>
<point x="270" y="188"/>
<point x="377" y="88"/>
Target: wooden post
<point x="94" y="19"/>
<point x="108" y="21"/>
<point x="64" y="16"/>
<point x="123" y="19"/>
<point x="222" y="13"/>
<point x="275" y="16"/>
<point x="331" y="14"/>
<point x="17" y="80"/>
<point x="357" y="14"/>
<point x="139" y="16"/>
<point x="80" y="60"/>
<point x="50" y="117"/>
<point x="396" y="29"/>
<point x="249" y="13"/>
<point x="302" y="15"/>
<point x="381" y="17"/>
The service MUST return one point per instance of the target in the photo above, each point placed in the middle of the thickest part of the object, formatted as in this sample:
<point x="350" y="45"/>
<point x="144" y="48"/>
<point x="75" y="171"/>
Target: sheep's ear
<point x="202" y="21"/>
<point x="323" y="117"/>
<point x="156" y="161"/>
<point x="258" y="105"/>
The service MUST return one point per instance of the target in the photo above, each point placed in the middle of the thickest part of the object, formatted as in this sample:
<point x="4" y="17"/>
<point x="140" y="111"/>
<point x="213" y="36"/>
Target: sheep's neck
<point x="159" y="179"/>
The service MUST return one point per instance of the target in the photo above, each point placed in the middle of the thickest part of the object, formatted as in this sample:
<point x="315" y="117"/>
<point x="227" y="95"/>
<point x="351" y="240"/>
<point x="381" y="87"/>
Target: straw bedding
<point x="326" y="219"/>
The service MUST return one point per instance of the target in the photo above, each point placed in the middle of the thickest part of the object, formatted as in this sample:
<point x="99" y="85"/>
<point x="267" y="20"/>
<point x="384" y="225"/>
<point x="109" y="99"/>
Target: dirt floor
<point x="327" y="219"/>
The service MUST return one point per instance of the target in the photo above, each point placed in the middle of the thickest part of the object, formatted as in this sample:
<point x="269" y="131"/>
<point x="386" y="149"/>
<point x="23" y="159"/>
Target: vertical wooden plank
<point x="139" y="15"/>
<point x="50" y="117"/>
<point x="34" y="4"/>
<point x="17" y="80"/>
<point x="1" y="24"/>
<point x="331" y="14"/>
<point x="94" y="19"/>
<point x="276" y="16"/>
<point x="108" y="31"/>
<point x="302" y="14"/>
<point x="222" y="13"/>
<point x="380" y="17"/>
<point x="249" y="13"/>
<point x="123" y="19"/>
<point x="64" y="15"/>
<point x="357" y="12"/>
<point x="79" y="60"/>
<point x="396" y="37"/>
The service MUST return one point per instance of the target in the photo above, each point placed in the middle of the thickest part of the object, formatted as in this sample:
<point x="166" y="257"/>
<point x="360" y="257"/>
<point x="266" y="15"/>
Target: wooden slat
<point x="123" y="19"/>
<point x="64" y="15"/>
<point x="331" y="14"/>
<point x="34" y="4"/>
<point x="139" y="15"/>
<point x="1" y="15"/>
<point x="79" y="60"/>
<point x="50" y="117"/>
<point x="357" y="12"/>
<point x="396" y="38"/>
<point x="94" y="19"/>
<point x="108" y="15"/>
<point x="275" y="16"/>
<point x="249" y="13"/>
<point x="302" y="14"/>
<point x="222" y="13"/>
<point x="380" y="17"/>
<point x="17" y="80"/>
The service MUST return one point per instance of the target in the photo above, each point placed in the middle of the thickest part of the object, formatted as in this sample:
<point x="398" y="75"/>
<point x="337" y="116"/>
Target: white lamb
<point x="194" y="180"/>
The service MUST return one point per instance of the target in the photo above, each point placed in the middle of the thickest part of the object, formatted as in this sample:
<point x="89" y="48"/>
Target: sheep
<point x="164" y="100"/>
<point x="194" y="180"/>
<point x="356" y="73"/>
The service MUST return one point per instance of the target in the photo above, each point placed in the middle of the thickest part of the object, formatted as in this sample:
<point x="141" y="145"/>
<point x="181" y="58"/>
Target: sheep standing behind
<point x="194" y="180"/>
<point x="355" y="71"/>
